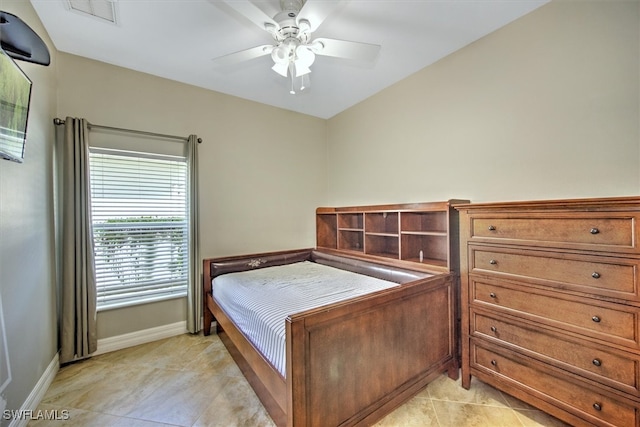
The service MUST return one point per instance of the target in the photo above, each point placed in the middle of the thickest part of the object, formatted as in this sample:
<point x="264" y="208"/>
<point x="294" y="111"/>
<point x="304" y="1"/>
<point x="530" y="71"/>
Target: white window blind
<point x="140" y="226"/>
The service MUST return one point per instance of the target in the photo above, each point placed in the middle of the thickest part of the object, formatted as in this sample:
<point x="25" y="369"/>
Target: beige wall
<point x="262" y="169"/>
<point x="27" y="255"/>
<point x="546" y="107"/>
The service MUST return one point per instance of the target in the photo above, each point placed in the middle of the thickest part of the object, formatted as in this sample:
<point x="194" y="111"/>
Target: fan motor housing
<point x="293" y="6"/>
<point x="288" y="27"/>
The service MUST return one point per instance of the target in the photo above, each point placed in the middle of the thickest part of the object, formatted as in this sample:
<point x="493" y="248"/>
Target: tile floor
<point x="192" y="381"/>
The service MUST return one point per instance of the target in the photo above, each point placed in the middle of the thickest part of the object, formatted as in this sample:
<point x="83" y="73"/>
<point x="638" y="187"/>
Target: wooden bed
<point x="352" y="362"/>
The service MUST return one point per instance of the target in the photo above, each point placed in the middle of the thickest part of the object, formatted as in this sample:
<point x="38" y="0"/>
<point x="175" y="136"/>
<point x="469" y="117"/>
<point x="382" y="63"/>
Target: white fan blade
<point x="346" y="49"/>
<point x="253" y="13"/>
<point x="243" y="55"/>
<point x="316" y="11"/>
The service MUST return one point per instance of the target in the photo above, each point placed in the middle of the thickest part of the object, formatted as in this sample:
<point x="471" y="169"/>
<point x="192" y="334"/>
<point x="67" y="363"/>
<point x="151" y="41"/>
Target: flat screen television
<point x="15" y="96"/>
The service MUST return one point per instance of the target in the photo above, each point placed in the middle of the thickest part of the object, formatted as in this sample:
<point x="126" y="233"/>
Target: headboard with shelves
<point x="418" y="235"/>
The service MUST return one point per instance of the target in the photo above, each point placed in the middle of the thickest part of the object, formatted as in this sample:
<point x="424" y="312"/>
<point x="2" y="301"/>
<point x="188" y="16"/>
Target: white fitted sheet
<point x="258" y="301"/>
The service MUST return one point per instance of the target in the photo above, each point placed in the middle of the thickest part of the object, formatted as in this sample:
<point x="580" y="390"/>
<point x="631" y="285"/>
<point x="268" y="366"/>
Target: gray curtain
<point x="194" y="292"/>
<point x="78" y="336"/>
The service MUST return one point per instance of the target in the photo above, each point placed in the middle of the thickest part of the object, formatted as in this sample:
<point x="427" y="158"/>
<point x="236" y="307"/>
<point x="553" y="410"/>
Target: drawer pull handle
<point x="597" y="362"/>
<point x="492" y="228"/>
<point x="492" y="294"/>
<point x="597" y="406"/>
<point x="594" y="231"/>
<point x="596" y="319"/>
<point x="493" y="262"/>
<point x="494" y="329"/>
<point x="494" y="362"/>
<point x="595" y="275"/>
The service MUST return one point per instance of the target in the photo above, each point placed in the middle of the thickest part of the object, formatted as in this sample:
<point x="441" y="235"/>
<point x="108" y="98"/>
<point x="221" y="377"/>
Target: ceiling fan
<point x="294" y="50"/>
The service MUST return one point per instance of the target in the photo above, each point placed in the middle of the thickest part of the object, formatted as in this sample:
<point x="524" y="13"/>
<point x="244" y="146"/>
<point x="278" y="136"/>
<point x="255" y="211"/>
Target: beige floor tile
<point x="214" y="358"/>
<point x="171" y="353"/>
<point x="136" y="354"/>
<point x="444" y="388"/>
<point x="416" y="412"/>
<point x="531" y="416"/>
<point x="183" y="396"/>
<point x="73" y="380"/>
<point x="107" y="390"/>
<point x="191" y="380"/>
<point x="535" y="418"/>
<point x="455" y="414"/>
<point x="236" y="405"/>
<point x="52" y="416"/>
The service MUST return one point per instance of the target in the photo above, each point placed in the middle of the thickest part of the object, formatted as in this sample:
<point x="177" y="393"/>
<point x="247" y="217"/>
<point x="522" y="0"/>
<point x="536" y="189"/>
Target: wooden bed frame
<point x="352" y="362"/>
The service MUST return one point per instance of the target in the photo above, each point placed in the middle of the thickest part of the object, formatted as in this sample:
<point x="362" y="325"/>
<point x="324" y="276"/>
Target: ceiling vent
<point x="105" y="10"/>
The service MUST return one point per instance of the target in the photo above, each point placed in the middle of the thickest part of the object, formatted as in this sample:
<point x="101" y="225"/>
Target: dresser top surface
<point x="592" y="204"/>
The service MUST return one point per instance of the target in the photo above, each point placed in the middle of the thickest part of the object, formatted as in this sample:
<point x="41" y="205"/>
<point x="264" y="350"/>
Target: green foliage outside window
<point x="141" y="248"/>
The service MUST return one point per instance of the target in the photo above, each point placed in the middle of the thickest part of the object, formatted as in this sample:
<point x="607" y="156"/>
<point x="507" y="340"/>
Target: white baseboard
<point x="106" y="345"/>
<point x="38" y="392"/>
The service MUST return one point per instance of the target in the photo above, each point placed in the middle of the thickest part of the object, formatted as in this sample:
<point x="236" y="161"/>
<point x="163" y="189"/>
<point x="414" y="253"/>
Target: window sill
<point x="115" y="306"/>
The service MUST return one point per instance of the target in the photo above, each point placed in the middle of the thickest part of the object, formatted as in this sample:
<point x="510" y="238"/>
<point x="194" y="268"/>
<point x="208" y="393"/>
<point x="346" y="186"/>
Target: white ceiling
<point x="178" y="39"/>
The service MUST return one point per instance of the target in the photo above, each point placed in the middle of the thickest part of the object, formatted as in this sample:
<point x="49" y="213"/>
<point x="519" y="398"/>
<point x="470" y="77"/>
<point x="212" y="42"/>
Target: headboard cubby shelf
<point x="421" y="234"/>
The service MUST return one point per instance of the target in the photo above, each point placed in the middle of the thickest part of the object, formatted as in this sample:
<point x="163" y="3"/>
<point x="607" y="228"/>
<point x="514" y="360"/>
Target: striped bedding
<point x="258" y="301"/>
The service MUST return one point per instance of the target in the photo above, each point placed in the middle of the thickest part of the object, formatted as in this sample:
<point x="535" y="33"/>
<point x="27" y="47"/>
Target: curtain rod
<point x="58" y="122"/>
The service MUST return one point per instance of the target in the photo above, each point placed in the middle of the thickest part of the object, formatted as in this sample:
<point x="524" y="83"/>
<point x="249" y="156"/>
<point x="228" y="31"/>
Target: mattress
<point x="258" y="301"/>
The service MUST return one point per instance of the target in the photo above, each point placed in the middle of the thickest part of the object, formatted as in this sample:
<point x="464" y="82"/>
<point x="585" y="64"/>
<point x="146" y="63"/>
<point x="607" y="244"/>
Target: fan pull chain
<point x="291" y="73"/>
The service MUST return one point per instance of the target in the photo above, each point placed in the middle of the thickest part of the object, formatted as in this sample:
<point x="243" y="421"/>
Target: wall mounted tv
<point x="15" y="96"/>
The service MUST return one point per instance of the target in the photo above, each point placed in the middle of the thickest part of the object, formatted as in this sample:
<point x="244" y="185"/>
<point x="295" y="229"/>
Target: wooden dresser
<point x="551" y="305"/>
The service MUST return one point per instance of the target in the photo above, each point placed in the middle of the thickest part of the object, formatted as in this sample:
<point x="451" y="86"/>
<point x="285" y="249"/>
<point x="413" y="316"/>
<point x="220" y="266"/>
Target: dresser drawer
<point x="593" y="231"/>
<point x="615" y="369"/>
<point x="615" y="323"/>
<point x="577" y="398"/>
<point x="611" y="277"/>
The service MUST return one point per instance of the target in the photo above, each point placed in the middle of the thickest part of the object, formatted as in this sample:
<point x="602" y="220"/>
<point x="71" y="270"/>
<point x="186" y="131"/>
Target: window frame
<point x="173" y="291"/>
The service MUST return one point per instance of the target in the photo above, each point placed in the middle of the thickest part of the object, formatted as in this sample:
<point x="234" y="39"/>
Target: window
<point x="140" y="226"/>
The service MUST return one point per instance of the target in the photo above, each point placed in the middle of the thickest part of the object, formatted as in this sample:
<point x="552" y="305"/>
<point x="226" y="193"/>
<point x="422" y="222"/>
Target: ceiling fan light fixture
<point x="304" y="60"/>
<point x="305" y="55"/>
<point x="301" y="70"/>
<point x="280" y="54"/>
<point x="281" y="68"/>
<point x="294" y="50"/>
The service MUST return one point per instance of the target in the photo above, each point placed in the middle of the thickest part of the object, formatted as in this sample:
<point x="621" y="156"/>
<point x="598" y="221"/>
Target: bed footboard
<point x="351" y="364"/>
